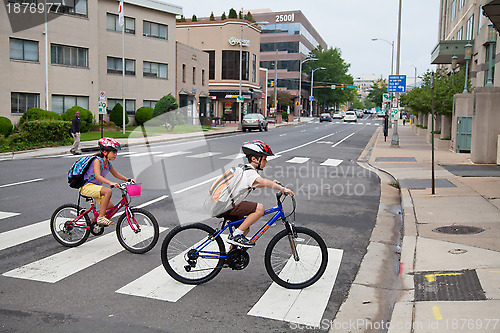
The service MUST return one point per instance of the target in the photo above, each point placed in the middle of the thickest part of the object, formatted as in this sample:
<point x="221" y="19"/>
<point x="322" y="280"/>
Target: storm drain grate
<point x="415" y="184"/>
<point x="458" y="230"/>
<point x="461" y="285"/>
<point x="395" y="159"/>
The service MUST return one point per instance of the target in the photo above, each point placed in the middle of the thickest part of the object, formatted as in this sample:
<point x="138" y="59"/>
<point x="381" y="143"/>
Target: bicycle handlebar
<point x="122" y="185"/>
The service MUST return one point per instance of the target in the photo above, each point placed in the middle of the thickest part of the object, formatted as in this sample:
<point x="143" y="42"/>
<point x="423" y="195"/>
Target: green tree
<point x="212" y="17"/>
<point x="116" y="115"/>
<point x="369" y="104"/>
<point x="249" y="17"/>
<point x="285" y="99"/>
<point x="182" y="19"/>
<point x="223" y="16"/>
<point x="335" y="73"/>
<point x="166" y="110"/>
<point x="357" y="104"/>
<point x="377" y="89"/>
<point x="232" y="14"/>
<point x="194" y="18"/>
<point x="240" y="15"/>
<point x="86" y="117"/>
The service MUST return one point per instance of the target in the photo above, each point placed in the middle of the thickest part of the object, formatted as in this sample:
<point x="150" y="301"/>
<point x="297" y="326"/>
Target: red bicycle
<point x="137" y="229"/>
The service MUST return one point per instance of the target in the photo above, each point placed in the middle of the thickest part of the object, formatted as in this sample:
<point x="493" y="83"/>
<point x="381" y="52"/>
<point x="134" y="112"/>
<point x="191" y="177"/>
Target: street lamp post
<point x="240" y="97"/>
<point x="454" y="61"/>
<point x="392" y="52"/>
<point x="468" y="56"/>
<point x="312" y="83"/>
<point x="300" y="83"/>
<point x="491" y="41"/>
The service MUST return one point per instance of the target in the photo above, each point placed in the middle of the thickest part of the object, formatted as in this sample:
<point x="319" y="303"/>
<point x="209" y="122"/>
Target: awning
<point x="492" y="11"/>
<point x="446" y="49"/>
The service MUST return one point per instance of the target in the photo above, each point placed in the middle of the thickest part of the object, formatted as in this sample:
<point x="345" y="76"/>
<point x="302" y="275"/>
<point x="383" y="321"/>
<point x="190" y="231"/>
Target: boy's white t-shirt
<point x="245" y="184"/>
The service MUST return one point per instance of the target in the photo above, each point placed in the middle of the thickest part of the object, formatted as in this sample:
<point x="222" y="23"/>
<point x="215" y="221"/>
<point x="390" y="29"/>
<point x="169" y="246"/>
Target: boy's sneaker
<point x="240" y="240"/>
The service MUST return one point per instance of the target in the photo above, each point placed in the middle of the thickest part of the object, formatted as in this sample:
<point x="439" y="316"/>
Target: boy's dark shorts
<point x="241" y="210"/>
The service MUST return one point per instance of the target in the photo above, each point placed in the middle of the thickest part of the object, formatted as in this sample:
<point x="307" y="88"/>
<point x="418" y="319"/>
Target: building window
<point x="288" y="65"/>
<point x="479" y="19"/>
<point x="69" y="55"/>
<point x="154" y="69"/>
<point x="75" y="7"/>
<point x="113" y="25"/>
<point x="254" y="67"/>
<point x="115" y="66"/>
<point x="184" y="73"/>
<point x="129" y="105"/>
<point x="460" y="33"/>
<point x="469" y="28"/>
<point x="22" y="102"/>
<point x="487" y="64"/>
<point x="194" y="75"/>
<point x="21" y="49"/>
<point x="150" y="104"/>
<point x="453" y="10"/>
<point x="202" y="77"/>
<point x="231" y="66"/>
<point x="61" y="103"/>
<point x="211" y="65"/>
<point x="460" y="4"/>
<point x="156" y="30"/>
<point x="290" y="47"/>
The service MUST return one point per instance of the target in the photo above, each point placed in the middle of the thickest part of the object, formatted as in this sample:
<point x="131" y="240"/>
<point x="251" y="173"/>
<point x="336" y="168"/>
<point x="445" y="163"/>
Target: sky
<point x="350" y="26"/>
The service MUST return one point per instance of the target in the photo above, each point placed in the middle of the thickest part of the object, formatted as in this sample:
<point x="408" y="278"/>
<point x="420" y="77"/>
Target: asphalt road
<point x="339" y="202"/>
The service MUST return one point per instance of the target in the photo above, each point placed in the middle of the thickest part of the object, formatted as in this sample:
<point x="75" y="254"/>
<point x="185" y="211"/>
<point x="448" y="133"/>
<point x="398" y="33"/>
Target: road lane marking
<point x="298" y="160"/>
<point x="203" y="155"/>
<point x="175" y="153"/>
<point x="144" y="154"/>
<point x="347" y="137"/>
<point x="332" y="162"/>
<point x="437" y="313"/>
<point x="23" y="182"/>
<point x="4" y="215"/>
<point x="66" y="263"/>
<point x="24" y="234"/>
<point x="233" y="157"/>
<point x="196" y="185"/>
<point x="152" y="201"/>
<point x="303" y="306"/>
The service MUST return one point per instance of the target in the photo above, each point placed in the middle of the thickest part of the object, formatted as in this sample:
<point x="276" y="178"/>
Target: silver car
<point x="254" y="121"/>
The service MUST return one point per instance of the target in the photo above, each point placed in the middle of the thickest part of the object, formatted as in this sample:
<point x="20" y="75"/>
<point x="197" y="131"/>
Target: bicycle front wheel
<point x="299" y="268"/>
<point x="66" y="228"/>
<point x="191" y="254"/>
<point x="146" y="233"/>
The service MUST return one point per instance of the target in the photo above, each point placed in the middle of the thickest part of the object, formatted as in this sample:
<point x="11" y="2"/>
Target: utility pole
<point x="395" y="136"/>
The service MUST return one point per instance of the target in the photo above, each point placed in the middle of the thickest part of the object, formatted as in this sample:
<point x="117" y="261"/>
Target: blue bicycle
<point x="295" y="258"/>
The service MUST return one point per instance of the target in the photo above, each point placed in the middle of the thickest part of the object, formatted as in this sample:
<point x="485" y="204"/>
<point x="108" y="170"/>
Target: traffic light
<point x="379" y="85"/>
<point x="272" y="83"/>
<point x="341" y="87"/>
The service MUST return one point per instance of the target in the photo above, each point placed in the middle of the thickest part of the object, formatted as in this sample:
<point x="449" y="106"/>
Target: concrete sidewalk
<point x="87" y="146"/>
<point x="449" y="274"/>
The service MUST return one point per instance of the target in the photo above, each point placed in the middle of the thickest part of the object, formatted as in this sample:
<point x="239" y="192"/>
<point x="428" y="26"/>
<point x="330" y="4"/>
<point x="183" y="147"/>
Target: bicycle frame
<point x="279" y="214"/>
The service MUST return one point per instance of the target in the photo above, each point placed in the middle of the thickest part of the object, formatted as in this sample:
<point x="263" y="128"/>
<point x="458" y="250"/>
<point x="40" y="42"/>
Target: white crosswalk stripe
<point x="24" y="234"/>
<point x="233" y="157"/>
<point x="144" y="154"/>
<point x="4" y="215"/>
<point x="202" y="155"/>
<point x="298" y="160"/>
<point x="303" y="306"/>
<point x="175" y="153"/>
<point x="332" y="162"/>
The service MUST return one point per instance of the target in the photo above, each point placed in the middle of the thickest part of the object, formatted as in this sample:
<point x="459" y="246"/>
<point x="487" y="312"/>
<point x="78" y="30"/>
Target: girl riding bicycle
<point x="96" y="174"/>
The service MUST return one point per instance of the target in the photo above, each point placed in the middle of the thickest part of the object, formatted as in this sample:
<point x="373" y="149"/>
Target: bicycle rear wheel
<point x="301" y="271"/>
<point x="68" y="230"/>
<point x="188" y="264"/>
<point x="147" y="231"/>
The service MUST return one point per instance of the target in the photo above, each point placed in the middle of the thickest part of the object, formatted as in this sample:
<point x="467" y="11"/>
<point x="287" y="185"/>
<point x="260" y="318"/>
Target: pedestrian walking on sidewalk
<point x="75" y="132"/>
<point x="404" y="119"/>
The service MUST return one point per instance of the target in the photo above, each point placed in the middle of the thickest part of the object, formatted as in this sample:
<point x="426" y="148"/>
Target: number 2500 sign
<point x="285" y="18"/>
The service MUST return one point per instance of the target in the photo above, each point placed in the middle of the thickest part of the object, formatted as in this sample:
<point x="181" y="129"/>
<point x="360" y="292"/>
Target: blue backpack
<point x="77" y="171"/>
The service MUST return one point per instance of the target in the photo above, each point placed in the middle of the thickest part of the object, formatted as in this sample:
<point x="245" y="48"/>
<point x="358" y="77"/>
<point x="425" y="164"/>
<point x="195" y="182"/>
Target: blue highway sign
<point x="397" y="84"/>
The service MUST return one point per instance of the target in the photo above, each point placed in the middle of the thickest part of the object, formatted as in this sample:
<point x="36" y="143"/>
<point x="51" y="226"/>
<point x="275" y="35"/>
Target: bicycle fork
<point x="291" y="239"/>
<point x="131" y="221"/>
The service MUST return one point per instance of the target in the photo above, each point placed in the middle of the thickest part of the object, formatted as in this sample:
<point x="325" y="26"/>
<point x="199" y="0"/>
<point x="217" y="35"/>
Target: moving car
<point x="338" y="115"/>
<point x="359" y="114"/>
<point x="350" y="116"/>
<point x="254" y="121"/>
<point x="325" y="117"/>
<point x="380" y="114"/>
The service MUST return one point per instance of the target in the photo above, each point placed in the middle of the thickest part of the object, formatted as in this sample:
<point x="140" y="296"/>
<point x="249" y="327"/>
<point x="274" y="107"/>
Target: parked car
<point x="350" y="116"/>
<point x="254" y="121"/>
<point x="338" y="115"/>
<point x="325" y="117"/>
<point x="380" y="114"/>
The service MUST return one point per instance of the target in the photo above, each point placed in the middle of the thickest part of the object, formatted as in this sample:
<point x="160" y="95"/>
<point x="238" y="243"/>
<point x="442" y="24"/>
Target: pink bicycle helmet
<point x="256" y="148"/>
<point x="109" y="144"/>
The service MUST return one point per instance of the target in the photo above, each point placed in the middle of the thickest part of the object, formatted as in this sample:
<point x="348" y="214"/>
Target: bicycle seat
<point x="86" y="197"/>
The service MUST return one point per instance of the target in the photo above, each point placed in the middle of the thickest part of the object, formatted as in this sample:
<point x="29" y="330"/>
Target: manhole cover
<point x="458" y="230"/>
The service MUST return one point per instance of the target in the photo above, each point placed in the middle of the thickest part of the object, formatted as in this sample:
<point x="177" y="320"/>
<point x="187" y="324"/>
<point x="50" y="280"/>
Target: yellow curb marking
<point x="494" y="271"/>
<point x="437" y="313"/>
<point x="432" y="277"/>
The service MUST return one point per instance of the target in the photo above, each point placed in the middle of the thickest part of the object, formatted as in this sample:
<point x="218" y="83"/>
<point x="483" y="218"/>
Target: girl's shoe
<point x="104" y="221"/>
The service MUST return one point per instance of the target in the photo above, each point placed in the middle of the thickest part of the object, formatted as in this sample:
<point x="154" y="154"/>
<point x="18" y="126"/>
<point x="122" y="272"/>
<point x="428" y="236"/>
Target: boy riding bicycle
<point x="256" y="153"/>
<point x="96" y="174"/>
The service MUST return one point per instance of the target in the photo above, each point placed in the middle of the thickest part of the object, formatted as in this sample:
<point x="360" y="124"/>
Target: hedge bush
<point x="38" y="114"/>
<point x="116" y="115"/>
<point x="5" y="126"/>
<point x="86" y="117"/>
<point x="43" y="130"/>
<point x="143" y="114"/>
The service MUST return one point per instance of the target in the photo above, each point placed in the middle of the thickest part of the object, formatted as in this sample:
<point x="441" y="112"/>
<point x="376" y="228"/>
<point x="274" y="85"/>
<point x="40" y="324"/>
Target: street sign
<point x="239" y="98"/>
<point x="102" y="107"/>
<point x="311" y="98"/>
<point x="394" y="113"/>
<point x="397" y="83"/>
<point x="333" y="86"/>
<point x="102" y="96"/>
<point x="386" y="98"/>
